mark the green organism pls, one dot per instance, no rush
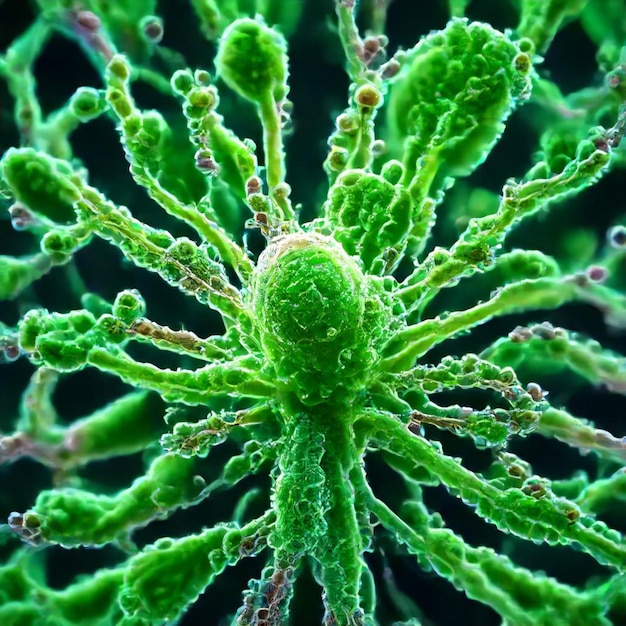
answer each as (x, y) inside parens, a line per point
(331, 354)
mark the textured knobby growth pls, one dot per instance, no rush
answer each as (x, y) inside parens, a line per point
(330, 351)
(321, 323)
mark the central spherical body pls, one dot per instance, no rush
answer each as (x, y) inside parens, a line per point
(321, 321)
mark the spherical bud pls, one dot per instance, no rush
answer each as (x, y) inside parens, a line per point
(58, 244)
(181, 82)
(21, 217)
(259, 203)
(9, 349)
(372, 45)
(597, 273)
(348, 122)
(112, 327)
(368, 96)
(118, 68)
(261, 219)
(152, 28)
(205, 162)
(536, 487)
(202, 78)
(201, 98)
(282, 191)
(87, 103)
(132, 124)
(516, 471)
(253, 185)
(526, 45)
(390, 69)
(154, 125)
(379, 147)
(392, 171)
(337, 159)
(522, 63)
(371, 48)
(119, 102)
(129, 305)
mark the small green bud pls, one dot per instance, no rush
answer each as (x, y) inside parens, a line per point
(527, 46)
(348, 122)
(340, 140)
(153, 125)
(129, 305)
(87, 103)
(181, 82)
(251, 60)
(132, 124)
(282, 191)
(112, 327)
(58, 245)
(259, 203)
(337, 159)
(119, 102)
(368, 96)
(118, 68)
(201, 98)
(392, 171)
(202, 78)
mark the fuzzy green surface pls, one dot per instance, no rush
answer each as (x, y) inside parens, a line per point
(251, 60)
(319, 320)
(459, 86)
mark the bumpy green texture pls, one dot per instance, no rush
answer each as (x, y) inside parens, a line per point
(371, 215)
(33, 180)
(322, 326)
(454, 94)
(344, 395)
(252, 61)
